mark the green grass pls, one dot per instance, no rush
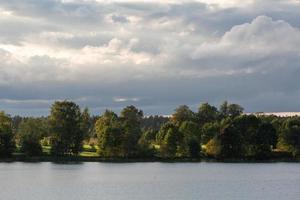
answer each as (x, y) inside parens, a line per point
(88, 147)
(88, 151)
(88, 154)
(46, 149)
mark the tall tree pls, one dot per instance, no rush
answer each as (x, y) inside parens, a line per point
(290, 135)
(7, 143)
(131, 118)
(223, 110)
(264, 139)
(207, 113)
(230, 110)
(31, 131)
(86, 123)
(181, 114)
(236, 138)
(67, 133)
(109, 133)
(209, 131)
(163, 131)
(235, 110)
(170, 140)
(190, 146)
(170, 143)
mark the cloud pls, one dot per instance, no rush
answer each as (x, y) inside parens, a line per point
(156, 55)
(125, 99)
(259, 46)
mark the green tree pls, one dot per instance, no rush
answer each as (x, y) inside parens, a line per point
(153, 122)
(65, 122)
(169, 144)
(109, 133)
(163, 131)
(264, 139)
(146, 143)
(7, 143)
(86, 123)
(119, 136)
(209, 131)
(223, 110)
(247, 136)
(213, 147)
(150, 135)
(230, 110)
(170, 140)
(31, 131)
(231, 142)
(181, 114)
(236, 138)
(290, 135)
(235, 110)
(194, 148)
(131, 118)
(190, 145)
(207, 113)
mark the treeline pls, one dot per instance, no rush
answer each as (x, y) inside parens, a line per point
(222, 133)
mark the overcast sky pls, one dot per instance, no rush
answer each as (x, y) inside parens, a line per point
(152, 54)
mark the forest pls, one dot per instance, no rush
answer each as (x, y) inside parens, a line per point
(224, 133)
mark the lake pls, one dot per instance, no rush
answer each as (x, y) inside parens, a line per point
(148, 181)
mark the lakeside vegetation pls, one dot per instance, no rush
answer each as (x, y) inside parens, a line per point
(223, 133)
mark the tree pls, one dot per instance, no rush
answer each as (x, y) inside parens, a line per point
(86, 123)
(207, 113)
(149, 135)
(65, 123)
(16, 120)
(236, 138)
(119, 136)
(265, 138)
(235, 110)
(213, 147)
(247, 136)
(131, 118)
(194, 148)
(290, 135)
(224, 110)
(231, 142)
(163, 131)
(153, 122)
(209, 131)
(170, 139)
(169, 144)
(230, 110)
(31, 131)
(190, 145)
(190, 130)
(7, 144)
(109, 133)
(181, 114)
(146, 143)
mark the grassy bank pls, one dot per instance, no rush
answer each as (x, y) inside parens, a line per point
(89, 154)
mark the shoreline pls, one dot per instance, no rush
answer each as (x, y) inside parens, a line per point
(80, 159)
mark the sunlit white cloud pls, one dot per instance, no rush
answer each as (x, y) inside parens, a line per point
(125, 99)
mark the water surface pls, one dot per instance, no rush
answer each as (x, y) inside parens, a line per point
(148, 181)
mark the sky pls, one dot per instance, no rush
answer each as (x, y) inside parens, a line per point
(153, 54)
